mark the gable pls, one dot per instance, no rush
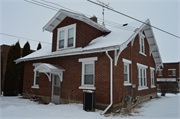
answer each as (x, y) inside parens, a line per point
(84, 33)
(62, 14)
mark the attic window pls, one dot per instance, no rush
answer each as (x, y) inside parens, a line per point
(66, 37)
(141, 44)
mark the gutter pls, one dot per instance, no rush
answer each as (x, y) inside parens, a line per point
(111, 83)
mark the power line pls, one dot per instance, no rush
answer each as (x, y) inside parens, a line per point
(119, 26)
(23, 38)
(100, 19)
(134, 19)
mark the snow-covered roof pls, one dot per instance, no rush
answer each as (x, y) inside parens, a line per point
(62, 14)
(118, 38)
(48, 68)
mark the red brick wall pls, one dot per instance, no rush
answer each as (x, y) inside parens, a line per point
(84, 32)
(71, 77)
(119, 88)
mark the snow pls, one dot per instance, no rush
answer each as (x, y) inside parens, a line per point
(17, 108)
(116, 38)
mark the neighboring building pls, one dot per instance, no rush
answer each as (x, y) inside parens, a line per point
(87, 56)
(4, 52)
(169, 74)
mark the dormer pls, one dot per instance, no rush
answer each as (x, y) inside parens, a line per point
(72, 30)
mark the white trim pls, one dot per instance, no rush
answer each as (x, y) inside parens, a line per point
(87, 87)
(142, 53)
(151, 68)
(152, 76)
(35, 86)
(171, 69)
(127, 84)
(166, 79)
(65, 29)
(88, 59)
(142, 65)
(85, 61)
(153, 86)
(141, 45)
(126, 61)
(125, 64)
(143, 88)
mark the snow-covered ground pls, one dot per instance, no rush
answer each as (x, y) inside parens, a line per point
(17, 108)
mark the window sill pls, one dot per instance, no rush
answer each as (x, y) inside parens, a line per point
(153, 86)
(142, 53)
(127, 84)
(160, 75)
(87, 87)
(36, 86)
(143, 88)
(65, 48)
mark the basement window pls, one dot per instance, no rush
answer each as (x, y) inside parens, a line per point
(66, 37)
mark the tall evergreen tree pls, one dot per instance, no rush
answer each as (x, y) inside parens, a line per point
(26, 50)
(39, 46)
(10, 74)
(17, 68)
(1, 72)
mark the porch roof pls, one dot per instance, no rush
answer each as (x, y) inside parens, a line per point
(49, 68)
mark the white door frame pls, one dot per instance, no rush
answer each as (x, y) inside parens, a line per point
(52, 93)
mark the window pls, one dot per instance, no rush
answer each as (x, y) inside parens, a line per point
(126, 72)
(172, 72)
(152, 77)
(141, 44)
(37, 78)
(66, 37)
(88, 73)
(142, 77)
(160, 72)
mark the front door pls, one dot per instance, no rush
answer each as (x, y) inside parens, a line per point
(56, 89)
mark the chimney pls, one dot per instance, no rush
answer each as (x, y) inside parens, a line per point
(94, 18)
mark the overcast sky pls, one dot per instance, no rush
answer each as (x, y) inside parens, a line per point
(20, 18)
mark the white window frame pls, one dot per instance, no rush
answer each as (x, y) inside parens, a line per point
(127, 62)
(143, 68)
(34, 83)
(152, 77)
(84, 61)
(172, 73)
(141, 51)
(160, 70)
(65, 29)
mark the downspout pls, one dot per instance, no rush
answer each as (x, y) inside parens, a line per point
(111, 83)
(131, 75)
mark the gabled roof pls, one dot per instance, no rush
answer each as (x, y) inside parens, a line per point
(62, 14)
(117, 39)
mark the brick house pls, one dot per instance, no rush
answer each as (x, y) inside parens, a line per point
(87, 56)
(169, 74)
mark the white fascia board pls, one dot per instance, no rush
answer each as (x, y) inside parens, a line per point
(126, 61)
(152, 68)
(71, 53)
(142, 66)
(88, 59)
(156, 43)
